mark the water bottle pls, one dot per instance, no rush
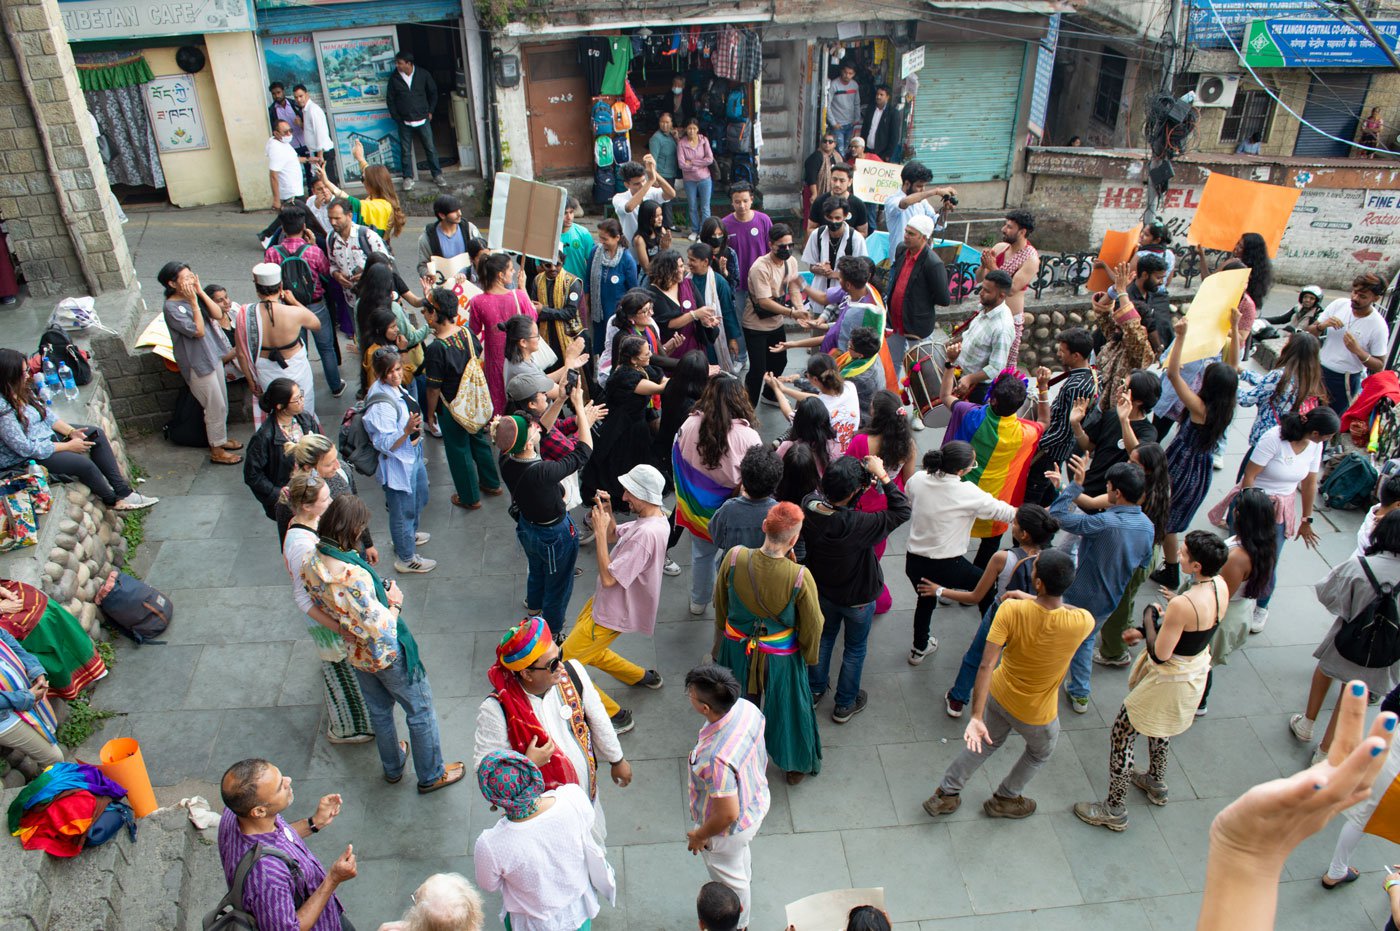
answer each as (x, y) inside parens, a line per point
(50, 373)
(65, 378)
(41, 388)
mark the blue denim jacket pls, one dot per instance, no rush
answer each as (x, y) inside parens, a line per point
(33, 440)
(10, 702)
(1114, 543)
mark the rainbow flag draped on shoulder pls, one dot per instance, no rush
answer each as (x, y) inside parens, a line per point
(1004, 447)
(697, 495)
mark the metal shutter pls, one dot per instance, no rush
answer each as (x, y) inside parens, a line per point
(1334, 106)
(965, 113)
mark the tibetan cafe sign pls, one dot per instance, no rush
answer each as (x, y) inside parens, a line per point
(1331, 43)
(90, 20)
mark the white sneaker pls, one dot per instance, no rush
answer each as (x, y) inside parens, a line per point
(136, 502)
(408, 184)
(1217, 463)
(672, 568)
(416, 564)
(1301, 727)
(697, 609)
(916, 424)
(917, 656)
(1261, 617)
(585, 530)
(421, 537)
(1318, 756)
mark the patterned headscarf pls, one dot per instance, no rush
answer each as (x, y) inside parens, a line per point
(510, 782)
(524, 644)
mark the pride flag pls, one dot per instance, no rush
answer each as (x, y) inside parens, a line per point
(873, 315)
(1004, 447)
(697, 495)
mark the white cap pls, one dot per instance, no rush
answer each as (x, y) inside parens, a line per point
(267, 274)
(923, 224)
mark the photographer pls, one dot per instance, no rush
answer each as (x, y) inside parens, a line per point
(914, 199)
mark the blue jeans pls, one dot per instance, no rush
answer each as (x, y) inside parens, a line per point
(857, 620)
(386, 688)
(1340, 387)
(424, 134)
(325, 343)
(1273, 580)
(843, 136)
(1082, 663)
(550, 553)
(972, 659)
(702, 570)
(697, 196)
(405, 507)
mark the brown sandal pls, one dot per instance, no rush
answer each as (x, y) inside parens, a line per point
(457, 500)
(231, 444)
(221, 456)
(403, 752)
(493, 492)
(452, 773)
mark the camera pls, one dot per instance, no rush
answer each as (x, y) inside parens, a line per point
(867, 478)
(950, 199)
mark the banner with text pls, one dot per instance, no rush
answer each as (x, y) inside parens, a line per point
(874, 181)
(1297, 43)
(89, 20)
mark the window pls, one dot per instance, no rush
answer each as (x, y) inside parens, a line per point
(1252, 112)
(1108, 95)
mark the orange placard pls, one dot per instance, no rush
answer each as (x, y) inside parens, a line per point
(121, 762)
(1385, 819)
(1118, 246)
(1233, 206)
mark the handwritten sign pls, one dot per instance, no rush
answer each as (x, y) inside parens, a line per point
(176, 120)
(874, 181)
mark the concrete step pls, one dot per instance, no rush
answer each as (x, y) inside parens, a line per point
(772, 69)
(773, 95)
(776, 122)
(776, 147)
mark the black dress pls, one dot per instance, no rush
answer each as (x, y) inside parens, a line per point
(625, 437)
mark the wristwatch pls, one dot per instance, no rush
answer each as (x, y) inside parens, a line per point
(311, 824)
(1307, 520)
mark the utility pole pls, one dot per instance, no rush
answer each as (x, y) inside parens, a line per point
(1374, 33)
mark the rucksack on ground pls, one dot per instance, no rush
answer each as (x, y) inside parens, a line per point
(602, 117)
(1372, 638)
(61, 349)
(134, 608)
(1351, 483)
(231, 914)
(354, 442)
(297, 276)
(186, 424)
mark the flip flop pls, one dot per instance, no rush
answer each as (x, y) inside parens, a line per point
(1352, 876)
(403, 751)
(452, 773)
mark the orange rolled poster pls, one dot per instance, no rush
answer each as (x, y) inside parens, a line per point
(1233, 206)
(1385, 820)
(1118, 246)
(121, 762)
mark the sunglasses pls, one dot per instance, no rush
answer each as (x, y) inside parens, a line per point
(829, 141)
(551, 667)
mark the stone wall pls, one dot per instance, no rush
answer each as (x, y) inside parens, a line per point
(54, 198)
(143, 389)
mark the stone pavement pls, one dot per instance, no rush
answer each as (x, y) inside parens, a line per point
(238, 678)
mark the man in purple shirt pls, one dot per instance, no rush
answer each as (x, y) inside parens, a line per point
(255, 794)
(748, 235)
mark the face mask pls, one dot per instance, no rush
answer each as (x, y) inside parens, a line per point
(835, 225)
(717, 242)
(678, 91)
(784, 253)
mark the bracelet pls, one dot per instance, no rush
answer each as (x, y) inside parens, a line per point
(1389, 883)
(311, 823)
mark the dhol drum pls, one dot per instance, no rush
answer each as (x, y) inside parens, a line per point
(924, 363)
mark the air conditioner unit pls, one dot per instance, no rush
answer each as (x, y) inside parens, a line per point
(1217, 90)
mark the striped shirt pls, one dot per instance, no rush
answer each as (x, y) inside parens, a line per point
(730, 760)
(1057, 443)
(269, 893)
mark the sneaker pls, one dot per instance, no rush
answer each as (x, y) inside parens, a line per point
(651, 679)
(339, 391)
(952, 706)
(916, 424)
(136, 502)
(672, 568)
(842, 715)
(433, 430)
(1318, 756)
(408, 184)
(1125, 660)
(1201, 711)
(1168, 575)
(440, 181)
(941, 803)
(1078, 704)
(1301, 727)
(421, 537)
(1261, 617)
(1155, 791)
(817, 697)
(416, 564)
(1015, 808)
(585, 530)
(622, 721)
(1217, 463)
(917, 656)
(698, 609)
(1100, 814)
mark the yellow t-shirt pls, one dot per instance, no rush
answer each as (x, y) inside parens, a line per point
(1036, 649)
(375, 212)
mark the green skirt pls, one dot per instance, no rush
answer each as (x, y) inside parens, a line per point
(790, 728)
(65, 651)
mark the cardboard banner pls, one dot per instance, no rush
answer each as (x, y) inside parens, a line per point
(444, 270)
(1233, 206)
(874, 181)
(827, 911)
(1209, 314)
(1118, 246)
(527, 217)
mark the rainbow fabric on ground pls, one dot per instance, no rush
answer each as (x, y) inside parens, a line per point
(1004, 447)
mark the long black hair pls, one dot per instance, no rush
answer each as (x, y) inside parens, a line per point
(375, 290)
(889, 423)
(1254, 252)
(800, 474)
(1157, 488)
(686, 383)
(15, 386)
(1217, 393)
(811, 426)
(1256, 527)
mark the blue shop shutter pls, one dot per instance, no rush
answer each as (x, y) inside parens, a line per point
(1335, 106)
(965, 112)
(278, 21)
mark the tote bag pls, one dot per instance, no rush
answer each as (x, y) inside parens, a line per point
(471, 407)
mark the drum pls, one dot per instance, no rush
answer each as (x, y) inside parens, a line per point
(924, 363)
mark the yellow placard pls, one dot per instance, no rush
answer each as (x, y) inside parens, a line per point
(1209, 314)
(874, 181)
(1233, 206)
(1118, 246)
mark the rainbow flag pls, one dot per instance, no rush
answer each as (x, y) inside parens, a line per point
(697, 495)
(1004, 447)
(874, 316)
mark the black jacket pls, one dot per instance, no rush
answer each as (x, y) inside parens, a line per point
(266, 467)
(886, 134)
(927, 290)
(411, 103)
(272, 113)
(841, 545)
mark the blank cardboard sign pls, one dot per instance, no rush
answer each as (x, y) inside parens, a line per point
(527, 217)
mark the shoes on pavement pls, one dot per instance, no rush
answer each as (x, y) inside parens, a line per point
(416, 564)
(1097, 813)
(1168, 575)
(421, 537)
(842, 715)
(1078, 704)
(817, 697)
(339, 391)
(794, 778)
(1015, 808)
(439, 180)
(916, 424)
(1201, 711)
(672, 568)
(1155, 791)
(1125, 660)
(622, 721)
(917, 656)
(452, 774)
(1301, 727)
(1352, 876)
(1318, 756)
(136, 502)
(408, 184)
(1217, 463)
(651, 679)
(952, 706)
(1261, 617)
(941, 803)
(698, 609)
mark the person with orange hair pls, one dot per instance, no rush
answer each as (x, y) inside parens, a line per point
(768, 627)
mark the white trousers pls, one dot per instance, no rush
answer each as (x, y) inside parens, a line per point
(1346, 845)
(729, 862)
(211, 391)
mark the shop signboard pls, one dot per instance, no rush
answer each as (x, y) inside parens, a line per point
(292, 60)
(1044, 71)
(90, 20)
(176, 120)
(356, 66)
(376, 132)
(1209, 21)
(911, 62)
(1330, 43)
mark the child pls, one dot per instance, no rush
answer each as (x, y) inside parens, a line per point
(1388, 490)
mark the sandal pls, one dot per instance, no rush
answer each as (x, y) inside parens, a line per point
(403, 752)
(493, 492)
(452, 773)
(457, 500)
(1352, 876)
(221, 456)
(231, 444)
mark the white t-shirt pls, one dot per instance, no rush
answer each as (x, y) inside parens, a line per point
(315, 129)
(629, 220)
(298, 546)
(1284, 470)
(282, 161)
(845, 412)
(1370, 331)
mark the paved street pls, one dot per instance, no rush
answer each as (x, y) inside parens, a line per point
(238, 677)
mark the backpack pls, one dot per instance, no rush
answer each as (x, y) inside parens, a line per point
(621, 117)
(741, 169)
(604, 185)
(738, 136)
(61, 349)
(603, 155)
(734, 105)
(602, 117)
(186, 424)
(230, 914)
(297, 276)
(115, 816)
(354, 442)
(1351, 483)
(134, 608)
(622, 149)
(1372, 638)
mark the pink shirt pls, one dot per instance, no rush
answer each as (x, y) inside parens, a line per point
(741, 437)
(637, 558)
(695, 158)
(313, 255)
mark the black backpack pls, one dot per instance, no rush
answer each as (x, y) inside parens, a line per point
(230, 913)
(61, 349)
(186, 424)
(354, 443)
(1372, 638)
(134, 608)
(297, 276)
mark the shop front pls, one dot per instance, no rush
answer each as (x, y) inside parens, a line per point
(344, 54)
